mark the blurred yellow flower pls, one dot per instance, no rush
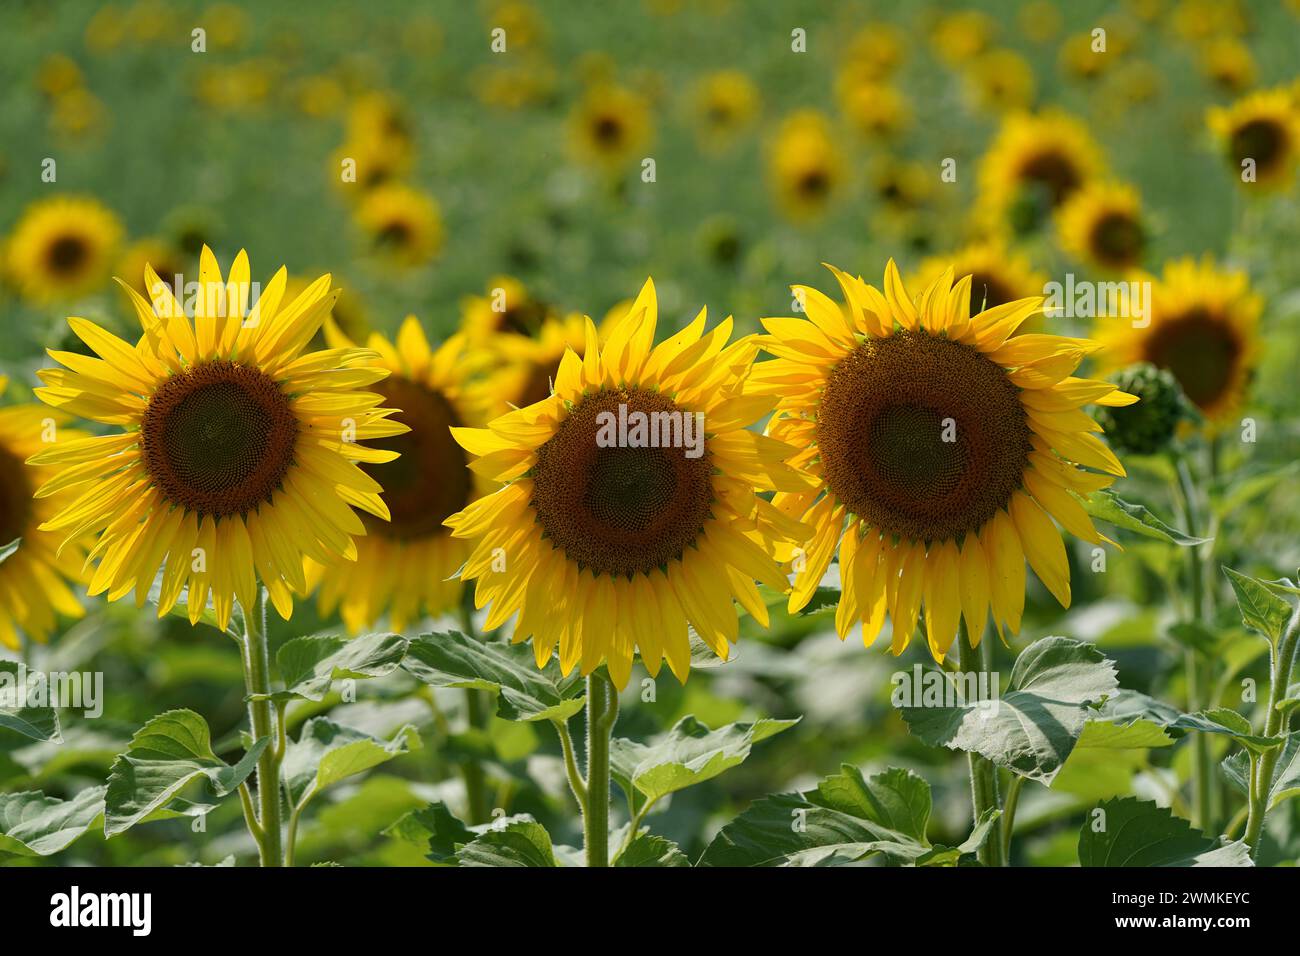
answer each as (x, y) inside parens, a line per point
(406, 566)
(873, 54)
(402, 224)
(507, 308)
(1228, 64)
(166, 260)
(34, 579)
(1035, 163)
(609, 125)
(998, 275)
(58, 74)
(1263, 129)
(1203, 328)
(878, 110)
(1101, 224)
(960, 36)
(1002, 80)
(1040, 20)
(806, 165)
(62, 247)
(724, 104)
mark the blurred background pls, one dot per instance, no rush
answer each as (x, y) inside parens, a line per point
(724, 148)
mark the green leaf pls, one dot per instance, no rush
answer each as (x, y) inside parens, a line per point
(309, 664)
(1286, 773)
(165, 755)
(1132, 832)
(648, 850)
(687, 754)
(1030, 729)
(1109, 507)
(846, 819)
(8, 550)
(32, 824)
(38, 723)
(1139, 734)
(326, 752)
(1229, 723)
(1261, 608)
(522, 842)
(451, 659)
(433, 827)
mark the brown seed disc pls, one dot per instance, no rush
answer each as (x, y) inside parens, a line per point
(15, 497)
(218, 438)
(430, 481)
(1260, 140)
(922, 437)
(1054, 172)
(67, 255)
(1199, 350)
(619, 510)
(1117, 240)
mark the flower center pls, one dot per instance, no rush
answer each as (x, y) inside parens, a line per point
(1117, 239)
(218, 438)
(1200, 350)
(923, 437)
(608, 131)
(67, 255)
(430, 480)
(987, 292)
(15, 497)
(1054, 174)
(612, 506)
(1260, 140)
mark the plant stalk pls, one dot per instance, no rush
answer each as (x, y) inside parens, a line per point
(1283, 660)
(1197, 681)
(257, 680)
(983, 775)
(602, 712)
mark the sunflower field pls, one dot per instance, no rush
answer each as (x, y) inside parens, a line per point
(657, 434)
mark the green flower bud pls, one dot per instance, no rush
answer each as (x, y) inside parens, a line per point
(1147, 426)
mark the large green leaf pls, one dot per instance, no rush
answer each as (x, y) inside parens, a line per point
(1228, 723)
(326, 752)
(452, 659)
(521, 842)
(1032, 727)
(1262, 609)
(169, 752)
(32, 824)
(1286, 772)
(308, 665)
(685, 755)
(434, 828)
(18, 714)
(1132, 832)
(845, 820)
(648, 850)
(1138, 734)
(1109, 507)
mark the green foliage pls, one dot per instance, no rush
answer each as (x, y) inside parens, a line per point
(1131, 832)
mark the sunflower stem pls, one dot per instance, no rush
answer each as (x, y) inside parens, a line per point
(1008, 820)
(983, 775)
(602, 713)
(1282, 661)
(476, 798)
(1196, 678)
(257, 680)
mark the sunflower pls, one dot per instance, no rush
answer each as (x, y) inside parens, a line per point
(998, 275)
(806, 165)
(377, 161)
(942, 446)
(606, 547)
(877, 110)
(1203, 329)
(1002, 80)
(1228, 64)
(34, 578)
(168, 262)
(961, 36)
(609, 125)
(62, 248)
(507, 308)
(238, 455)
(874, 54)
(407, 565)
(1263, 127)
(527, 364)
(1036, 162)
(1102, 225)
(403, 224)
(725, 104)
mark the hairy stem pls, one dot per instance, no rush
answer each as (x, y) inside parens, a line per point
(602, 712)
(257, 680)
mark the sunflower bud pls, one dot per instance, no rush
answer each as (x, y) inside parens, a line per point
(1148, 426)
